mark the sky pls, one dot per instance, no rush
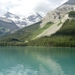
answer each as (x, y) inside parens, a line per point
(24, 7)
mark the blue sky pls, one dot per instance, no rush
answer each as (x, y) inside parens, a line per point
(24, 7)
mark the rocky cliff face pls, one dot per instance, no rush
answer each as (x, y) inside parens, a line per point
(59, 13)
(7, 26)
(70, 2)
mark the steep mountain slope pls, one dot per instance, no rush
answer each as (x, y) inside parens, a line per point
(20, 37)
(58, 17)
(64, 37)
(57, 29)
(70, 2)
(57, 14)
(7, 26)
(54, 28)
(22, 21)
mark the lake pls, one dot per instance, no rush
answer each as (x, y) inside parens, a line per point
(37, 61)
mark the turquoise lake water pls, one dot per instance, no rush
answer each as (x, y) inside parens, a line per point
(37, 61)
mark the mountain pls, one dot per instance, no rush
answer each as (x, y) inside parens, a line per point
(57, 17)
(21, 36)
(57, 14)
(57, 28)
(70, 2)
(7, 26)
(64, 37)
(22, 21)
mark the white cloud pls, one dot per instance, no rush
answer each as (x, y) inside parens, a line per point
(23, 7)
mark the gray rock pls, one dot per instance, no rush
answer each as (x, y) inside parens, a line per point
(7, 26)
(59, 13)
(70, 2)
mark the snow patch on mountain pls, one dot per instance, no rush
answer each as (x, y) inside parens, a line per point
(5, 20)
(22, 21)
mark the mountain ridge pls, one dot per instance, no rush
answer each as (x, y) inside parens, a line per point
(22, 21)
(70, 2)
(58, 13)
(57, 29)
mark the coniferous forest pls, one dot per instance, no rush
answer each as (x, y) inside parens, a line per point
(65, 37)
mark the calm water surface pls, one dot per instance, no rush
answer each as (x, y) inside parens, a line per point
(37, 61)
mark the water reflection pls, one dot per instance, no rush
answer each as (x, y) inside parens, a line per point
(48, 66)
(37, 61)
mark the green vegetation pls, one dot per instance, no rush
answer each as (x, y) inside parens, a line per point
(65, 37)
(59, 23)
(20, 37)
(40, 30)
(72, 14)
(23, 36)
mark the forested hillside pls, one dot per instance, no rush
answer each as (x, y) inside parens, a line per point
(23, 36)
(20, 37)
(65, 37)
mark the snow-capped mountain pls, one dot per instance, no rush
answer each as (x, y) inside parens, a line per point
(22, 21)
